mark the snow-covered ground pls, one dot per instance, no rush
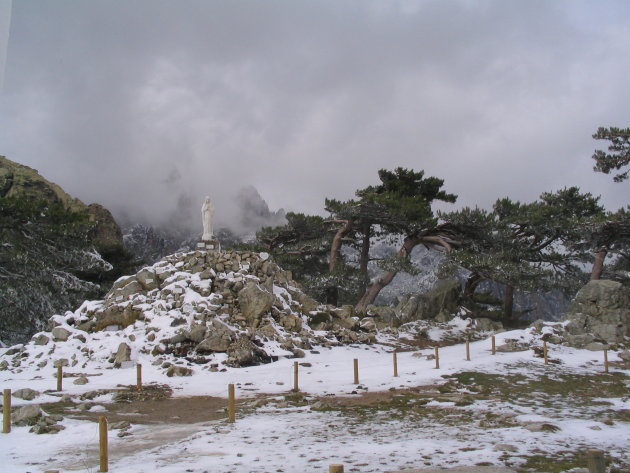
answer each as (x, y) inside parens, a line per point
(277, 437)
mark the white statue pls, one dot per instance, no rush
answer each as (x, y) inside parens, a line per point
(207, 211)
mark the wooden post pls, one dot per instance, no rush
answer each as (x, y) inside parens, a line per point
(545, 352)
(596, 463)
(231, 404)
(356, 371)
(59, 378)
(437, 358)
(139, 376)
(335, 469)
(395, 364)
(605, 361)
(6, 411)
(467, 350)
(102, 434)
(494, 346)
(296, 387)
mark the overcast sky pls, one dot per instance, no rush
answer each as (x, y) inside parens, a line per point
(145, 105)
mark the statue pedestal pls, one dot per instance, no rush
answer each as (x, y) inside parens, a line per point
(209, 245)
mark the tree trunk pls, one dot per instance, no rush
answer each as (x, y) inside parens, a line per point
(508, 302)
(364, 257)
(373, 291)
(471, 284)
(598, 265)
(335, 246)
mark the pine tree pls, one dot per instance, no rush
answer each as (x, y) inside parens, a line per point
(619, 155)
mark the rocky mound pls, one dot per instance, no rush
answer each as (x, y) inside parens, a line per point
(202, 308)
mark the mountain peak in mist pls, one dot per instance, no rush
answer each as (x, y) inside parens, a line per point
(254, 211)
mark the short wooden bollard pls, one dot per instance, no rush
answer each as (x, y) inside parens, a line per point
(231, 404)
(59, 378)
(296, 386)
(102, 445)
(356, 371)
(437, 358)
(605, 361)
(139, 376)
(596, 463)
(395, 364)
(335, 469)
(467, 350)
(545, 352)
(6, 411)
(494, 345)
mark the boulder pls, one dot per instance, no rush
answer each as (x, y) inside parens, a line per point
(600, 312)
(60, 334)
(218, 340)
(27, 415)
(444, 297)
(27, 394)
(178, 371)
(385, 314)
(244, 352)
(253, 302)
(196, 333)
(122, 354)
(41, 339)
(147, 279)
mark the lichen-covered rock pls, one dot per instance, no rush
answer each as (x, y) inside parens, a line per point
(600, 311)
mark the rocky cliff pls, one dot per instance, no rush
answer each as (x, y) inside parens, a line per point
(55, 250)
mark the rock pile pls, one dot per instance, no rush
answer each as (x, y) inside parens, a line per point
(202, 308)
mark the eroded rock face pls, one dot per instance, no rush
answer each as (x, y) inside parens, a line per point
(600, 311)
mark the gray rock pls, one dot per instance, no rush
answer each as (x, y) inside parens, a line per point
(41, 339)
(81, 380)
(625, 355)
(196, 333)
(147, 279)
(512, 346)
(253, 302)
(178, 371)
(383, 313)
(443, 298)
(122, 354)
(61, 362)
(368, 324)
(595, 346)
(60, 334)
(600, 309)
(26, 393)
(121, 282)
(541, 427)
(505, 447)
(27, 415)
(484, 324)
